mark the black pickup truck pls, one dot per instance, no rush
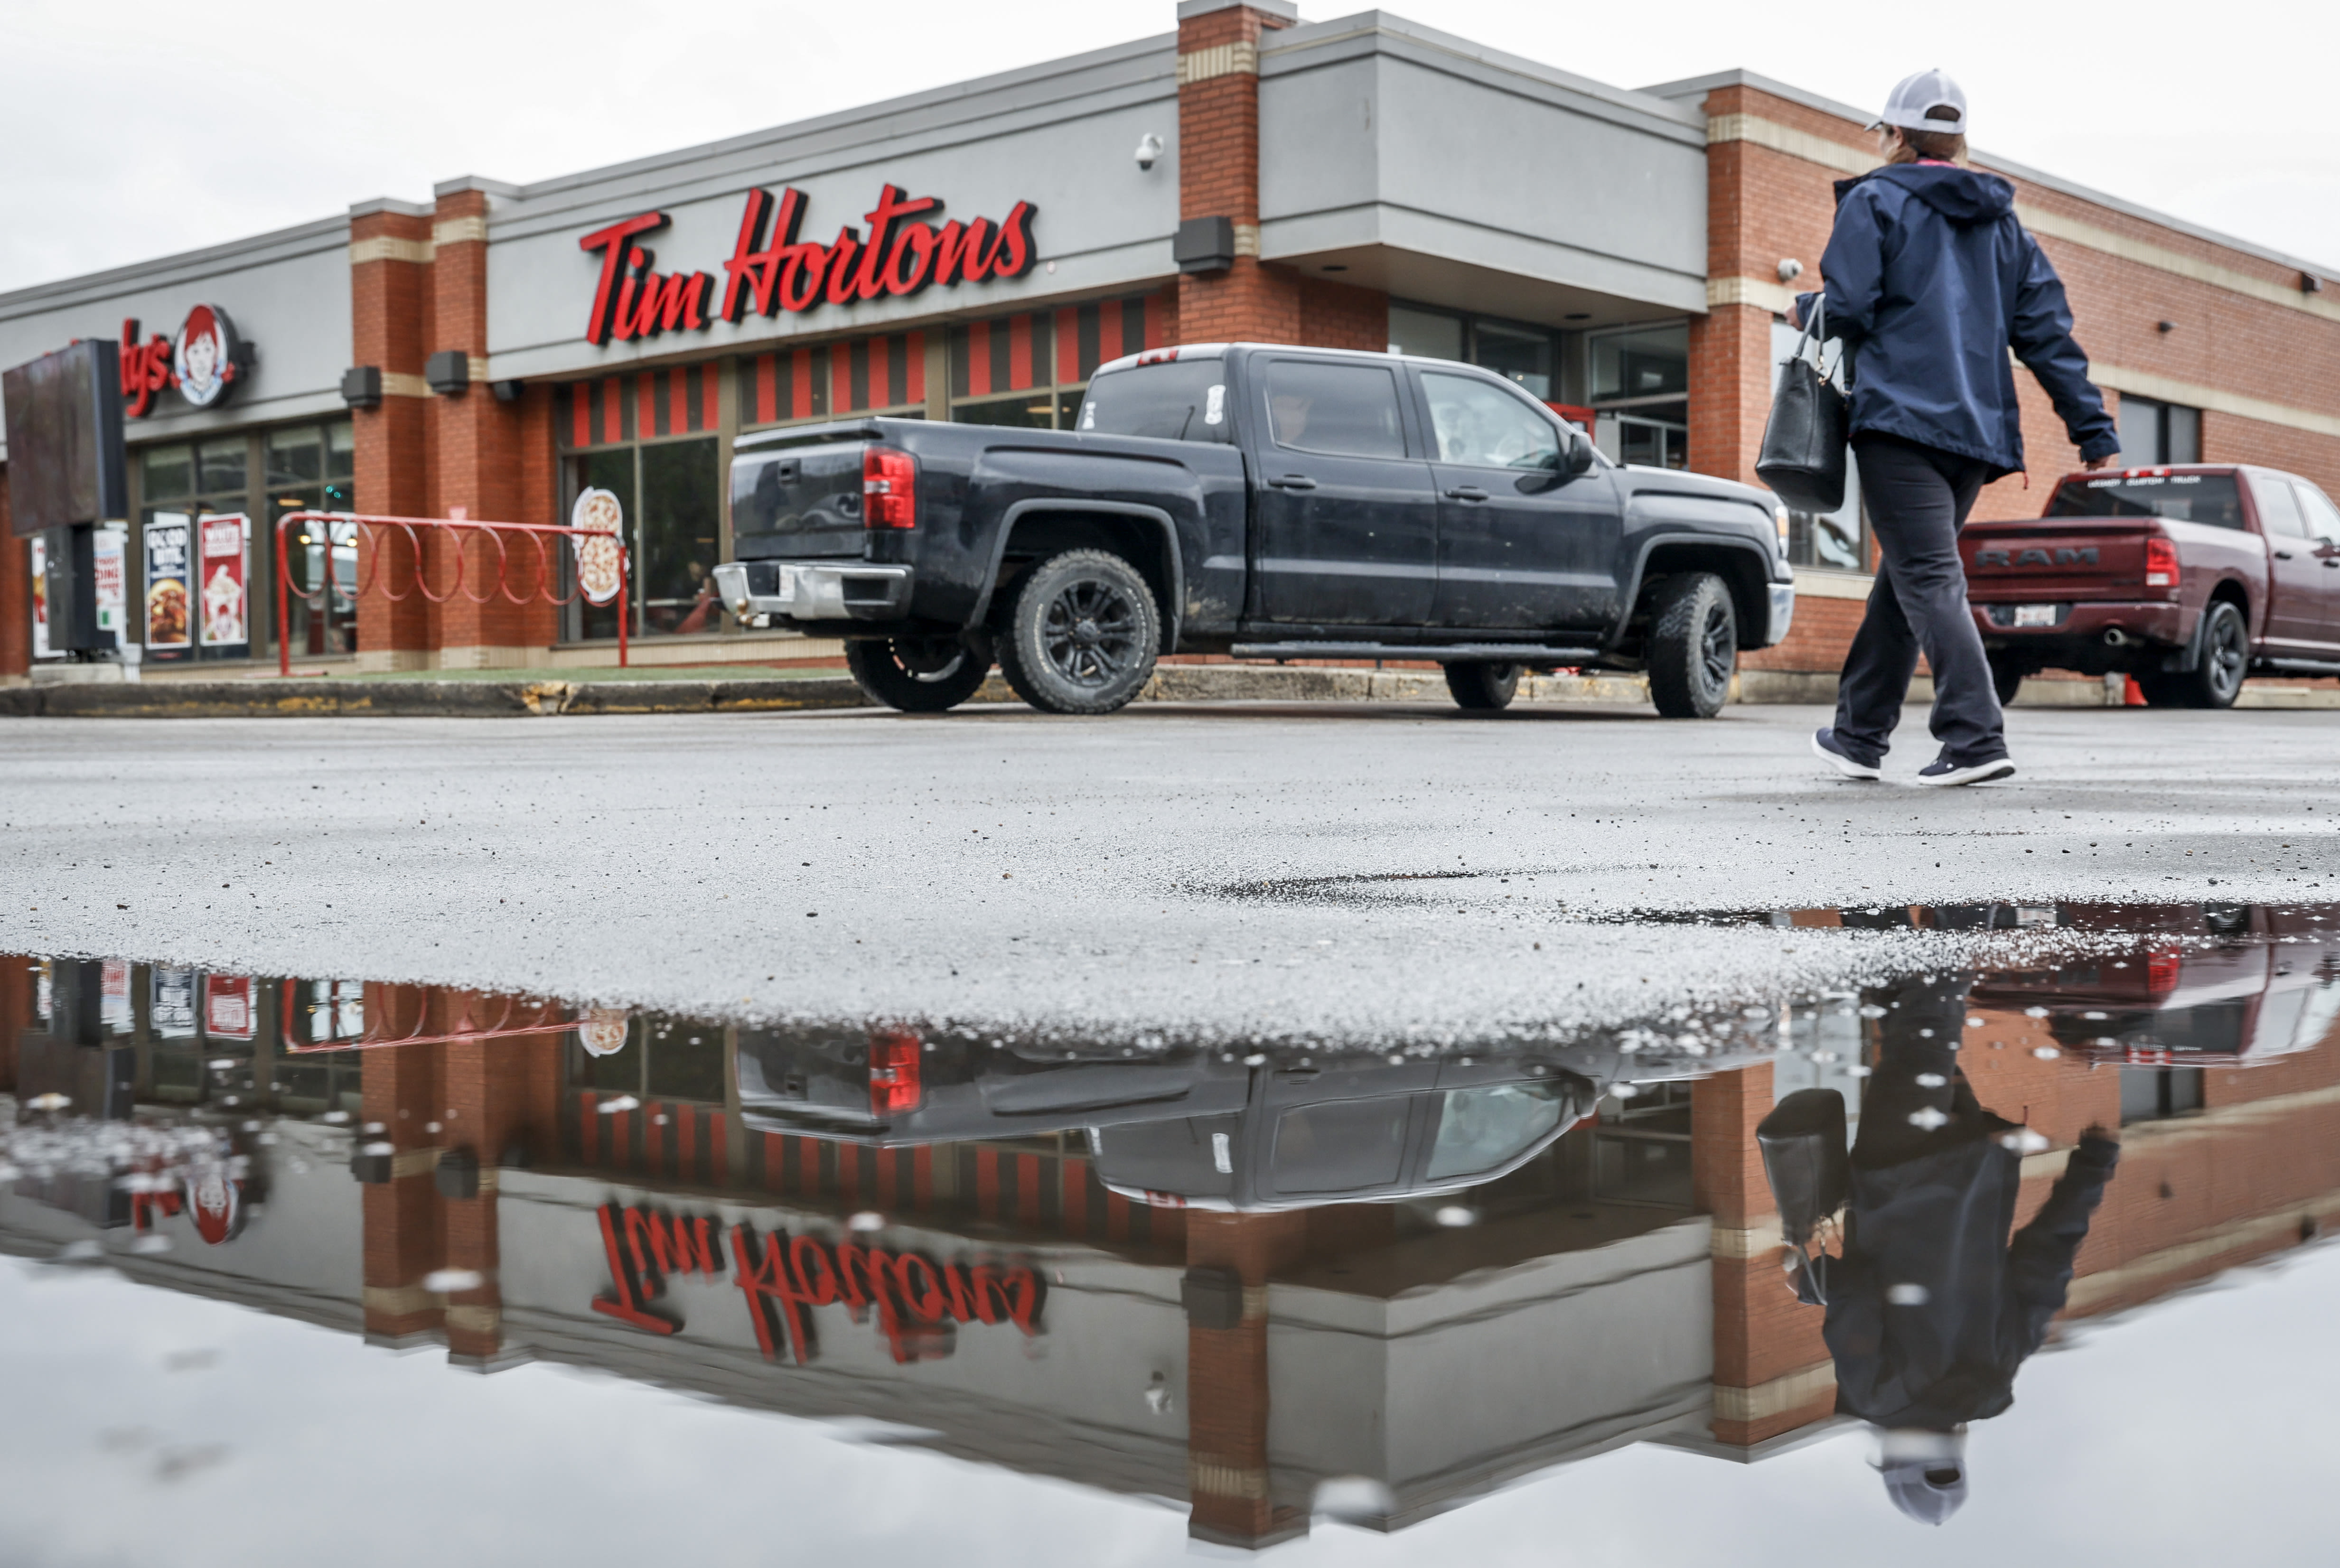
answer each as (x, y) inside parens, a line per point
(1264, 502)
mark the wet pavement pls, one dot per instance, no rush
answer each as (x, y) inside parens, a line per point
(738, 1283)
(1348, 873)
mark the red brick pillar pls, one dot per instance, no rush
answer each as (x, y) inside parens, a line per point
(1771, 1368)
(1218, 174)
(401, 1094)
(476, 453)
(390, 325)
(487, 1089)
(1226, 1382)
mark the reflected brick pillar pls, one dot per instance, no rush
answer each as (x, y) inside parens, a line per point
(1226, 1379)
(390, 327)
(401, 1095)
(1218, 173)
(1771, 1369)
(17, 987)
(494, 1091)
(477, 452)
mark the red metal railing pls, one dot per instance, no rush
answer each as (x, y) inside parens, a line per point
(374, 533)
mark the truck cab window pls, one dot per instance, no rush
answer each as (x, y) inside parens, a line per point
(2278, 508)
(1484, 426)
(2208, 498)
(1337, 410)
(2322, 517)
(1183, 399)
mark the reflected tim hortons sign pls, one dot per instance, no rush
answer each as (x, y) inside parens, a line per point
(772, 271)
(919, 1303)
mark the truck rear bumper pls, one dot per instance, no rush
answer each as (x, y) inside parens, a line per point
(2090, 634)
(815, 590)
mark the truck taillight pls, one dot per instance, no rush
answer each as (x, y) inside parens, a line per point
(893, 1072)
(889, 488)
(2160, 563)
(2161, 967)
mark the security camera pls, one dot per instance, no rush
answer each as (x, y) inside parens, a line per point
(1791, 269)
(1149, 148)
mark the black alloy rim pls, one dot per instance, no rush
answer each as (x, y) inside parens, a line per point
(1089, 633)
(2227, 654)
(1717, 648)
(928, 658)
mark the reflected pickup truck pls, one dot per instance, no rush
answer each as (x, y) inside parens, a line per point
(2188, 578)
(1263, 501)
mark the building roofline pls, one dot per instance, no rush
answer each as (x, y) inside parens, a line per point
(1698, 86)
(335, 230)
(373, 204)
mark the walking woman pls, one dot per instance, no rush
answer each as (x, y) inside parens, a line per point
(1929, 280)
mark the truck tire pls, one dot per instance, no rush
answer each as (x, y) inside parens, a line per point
(1482, 687)
(2217, 680)
(1693, 646)
(1082, 633)
(2006, 679)
(919, 674)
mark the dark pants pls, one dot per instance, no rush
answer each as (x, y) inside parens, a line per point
(1917, 1038)
(1919, 498)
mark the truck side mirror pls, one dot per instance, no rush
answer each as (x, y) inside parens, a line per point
(1577, 458)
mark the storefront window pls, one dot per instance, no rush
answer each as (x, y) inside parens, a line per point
(312, 467)
(672, 496)
(1529, 356)
(1641, 385)
(1836, 540)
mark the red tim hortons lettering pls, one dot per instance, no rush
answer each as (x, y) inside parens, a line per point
(643, 1249)
(614, 242)
(666, 302)
(917, 1303)
(958, 250)
(894, 205)
(840, 265)
(754, 268)
(801, 271)
(916, 246)
(1017, 253)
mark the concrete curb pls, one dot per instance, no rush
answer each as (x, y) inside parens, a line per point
(519, 698)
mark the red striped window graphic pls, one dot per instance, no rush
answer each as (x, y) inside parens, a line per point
(681, 400)
(885, 371)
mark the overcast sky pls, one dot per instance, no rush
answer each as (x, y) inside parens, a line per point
(137, 128)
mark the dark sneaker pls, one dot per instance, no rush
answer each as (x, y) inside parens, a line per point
(1828, 750)
(1941, 772)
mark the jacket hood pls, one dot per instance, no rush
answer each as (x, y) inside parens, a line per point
(1961, 196)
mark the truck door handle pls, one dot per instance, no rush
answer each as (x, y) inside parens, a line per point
(1294, 482)
(2332, 561)
(2283, 555)
(1466, 493)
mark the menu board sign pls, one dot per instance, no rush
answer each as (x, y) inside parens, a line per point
(113, 995)
(173, 1016)
(109, 579)
(227, 1008)
(40, 597)
(224, 601)
(170, 633)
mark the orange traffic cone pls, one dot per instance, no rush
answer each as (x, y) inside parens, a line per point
(2133, 695)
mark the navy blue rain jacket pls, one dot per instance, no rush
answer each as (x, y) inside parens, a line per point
(1930, 278)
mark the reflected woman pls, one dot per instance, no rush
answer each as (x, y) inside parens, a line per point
(1931, 1307)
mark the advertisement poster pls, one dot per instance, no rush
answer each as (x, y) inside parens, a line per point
(113, 995)
(599, 550)
(110, 576)
(173, 1018)
(225, 601)
(169, 634)
(227, 1008)
(40, 598)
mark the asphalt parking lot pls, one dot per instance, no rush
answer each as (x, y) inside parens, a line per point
(1365, 872)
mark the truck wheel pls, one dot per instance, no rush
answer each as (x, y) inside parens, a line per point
(2218, 680)
(919, 674)
(1693, 646)
(1482, 687)
(2006, 679)
(1082, 634)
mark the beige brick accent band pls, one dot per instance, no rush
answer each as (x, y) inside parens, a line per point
(387, 248)
(458, 230)
(1246, 239)
(1792, 1392)
(402, 383)
(1761, 292)
(1237, 59)
(1210, 1477)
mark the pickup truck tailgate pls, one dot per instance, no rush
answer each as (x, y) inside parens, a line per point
(2057, 558)
(798, 501)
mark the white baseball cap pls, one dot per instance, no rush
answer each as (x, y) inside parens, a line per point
(1912, 96)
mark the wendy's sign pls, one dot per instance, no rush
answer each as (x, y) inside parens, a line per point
(919, 1303)
(203, 361)
(772, 271)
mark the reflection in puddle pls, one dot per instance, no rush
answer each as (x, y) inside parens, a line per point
(1454, 1268)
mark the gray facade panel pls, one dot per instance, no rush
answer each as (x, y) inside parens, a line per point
(288, 294)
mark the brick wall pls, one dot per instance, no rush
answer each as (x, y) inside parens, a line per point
(390, 327)
(16, 593)
(1218, 176)
(1343, 316)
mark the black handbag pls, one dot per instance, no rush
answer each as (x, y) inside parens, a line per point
(1805, 1161)
(1803, 458)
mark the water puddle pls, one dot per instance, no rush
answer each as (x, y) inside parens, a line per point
(1282, 1289)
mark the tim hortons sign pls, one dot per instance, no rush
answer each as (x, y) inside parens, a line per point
(918, 1304)
(772, 271)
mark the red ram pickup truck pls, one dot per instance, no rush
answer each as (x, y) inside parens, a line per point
(2188, 578)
